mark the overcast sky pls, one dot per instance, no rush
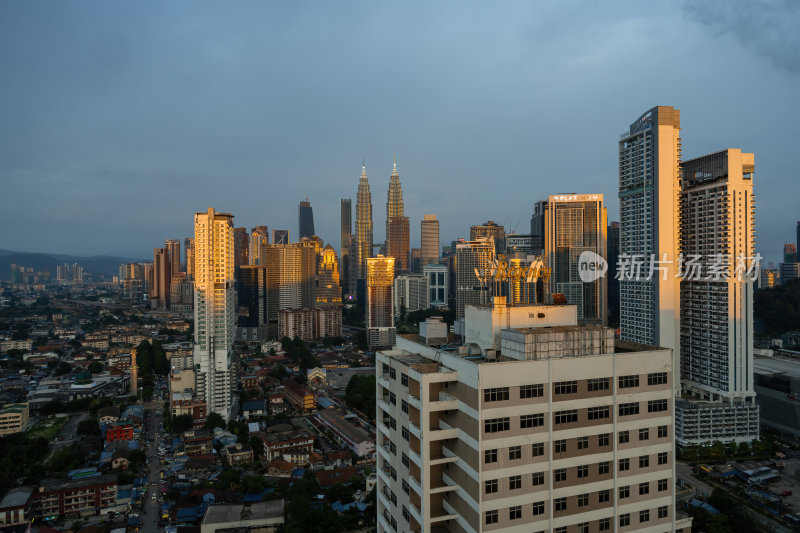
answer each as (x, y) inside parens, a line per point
(119, 120)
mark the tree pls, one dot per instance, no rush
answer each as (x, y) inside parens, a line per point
(63, 368)
(214, 420)
(258, 446)
(96, 367)
(182, 423)
(278, 371)
(252, 484)
(360, 393)
(88, 427)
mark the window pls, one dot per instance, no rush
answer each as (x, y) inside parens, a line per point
(531, 421)
(515, 482)
(626, 409)
(624, 520)
(603, 468)
(565, 387)
(404, 406)
(490, 456)
(597, 384)
(583, 527)
(644, 433)
(561, 529)
(663, 484)
(392, 373)
(490, 486)
(394, 524)
(659, 378)
(604, 496)
(657, 406)
(531, 391)
(603, 440)
(393, 448)
(514, 453)
(644, 461)
(405, 460)
(583, 471)
(406, 514)
(560, 504)
(624, 437)
(560, 474)
(385, 368)
(495, 425)
(404, 380)
(662, 458)
(538, 478)
(491, 517)
(583, 443)
(644, 488)
(495, 395)
(624, 492)
(663, 432)
(393, 473)
(604, 524)
(515, 512)
(644, 516)
(405, 433)
(626, 382)
(624, 464)
(392, 422)
(566, 417)
(392, 398)
(538, 508)
(393, 497)
(598, 413)
(406, 488)
(559, 446)
(538, 449)
(663, 512)
(583, 500)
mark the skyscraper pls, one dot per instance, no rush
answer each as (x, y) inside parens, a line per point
(173, 247)
(397, 242)
(162, 276)
(470, 256)
(305, 219)
(188, 249)
(716, 327)
(574, 224)
(379, 309)
(613, 282)
(280, 236)
(346, 231)
(259, 238)
(789, 253)
(251, 289)
(394, 200)
(363, 242)
(492, 230)
(537, 227)
(649, 159)
(294, 267)
(329, 291)
(429, 240)
(214, 312)
(241, 250)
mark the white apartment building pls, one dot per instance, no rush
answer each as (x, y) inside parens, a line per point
(437, 284)
(214, 310)
(410, 292)
(536, 424)
(717, 211)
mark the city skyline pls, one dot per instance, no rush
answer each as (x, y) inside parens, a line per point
(477, 122)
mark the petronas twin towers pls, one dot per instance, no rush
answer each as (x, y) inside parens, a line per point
(397, 228)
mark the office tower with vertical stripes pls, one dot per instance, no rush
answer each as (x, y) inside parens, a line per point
(305, 219)
(429, 241)
(363, 240)
(379, 308)
(214, 310)
(173, 247)
(345, 230)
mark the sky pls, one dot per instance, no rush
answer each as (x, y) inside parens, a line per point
(120, 120)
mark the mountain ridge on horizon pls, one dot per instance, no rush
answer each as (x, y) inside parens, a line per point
(107, 265)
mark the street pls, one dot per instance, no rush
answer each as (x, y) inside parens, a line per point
(151, 507)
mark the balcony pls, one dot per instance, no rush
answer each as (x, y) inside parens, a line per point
(444, 403)
(439, 514)
(442, 431)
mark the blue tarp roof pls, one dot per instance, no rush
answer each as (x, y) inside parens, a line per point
(134, 521)
(258, 496)
(342, 507)
(703, 505)
(133, 444)
(325, 403)
(254, 405)
(298, 472)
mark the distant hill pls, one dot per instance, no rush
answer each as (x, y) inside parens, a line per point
(98, 264)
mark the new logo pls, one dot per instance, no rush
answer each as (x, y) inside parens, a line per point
(591, 267)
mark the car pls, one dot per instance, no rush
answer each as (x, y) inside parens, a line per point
(786, 493)
(153, 497)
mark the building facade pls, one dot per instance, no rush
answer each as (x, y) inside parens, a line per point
(575, 224)
(471, 255)
(251, 316)
(345, 231)
(429, 241)
(363, 238)
(214, 310)
(438, 278)
(379, 309)
(305, 219)
(490, 230)
(571, 435)
(717, 209)
(410, 293)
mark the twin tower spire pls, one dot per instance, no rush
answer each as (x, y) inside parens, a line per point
(364, 228)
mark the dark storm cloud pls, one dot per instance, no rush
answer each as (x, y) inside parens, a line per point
(768, 27)
(119, 120)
